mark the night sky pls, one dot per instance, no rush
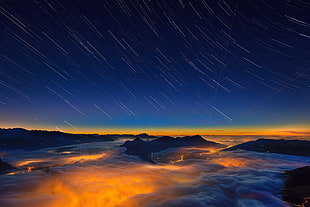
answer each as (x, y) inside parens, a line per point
(154, 63)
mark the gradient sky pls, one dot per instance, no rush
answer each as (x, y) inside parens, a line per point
(143, 64)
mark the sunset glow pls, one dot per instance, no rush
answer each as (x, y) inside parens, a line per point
(286, 130)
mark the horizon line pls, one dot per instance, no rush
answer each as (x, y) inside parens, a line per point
(179, 131)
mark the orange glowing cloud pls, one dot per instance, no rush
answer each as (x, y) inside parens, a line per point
(106, 180)
(231, 162)
(59, 161)
(98, 186)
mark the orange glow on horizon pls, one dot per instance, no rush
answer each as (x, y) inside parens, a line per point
(285, 130)
(194, 131)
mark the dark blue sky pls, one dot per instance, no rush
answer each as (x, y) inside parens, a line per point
(120, 63)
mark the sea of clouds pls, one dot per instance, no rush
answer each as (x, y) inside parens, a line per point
(102, 175)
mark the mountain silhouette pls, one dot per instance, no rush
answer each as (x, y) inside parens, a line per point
(144, 149)
(18, 138)
(5, 167)
(297, 186)
(289, 147)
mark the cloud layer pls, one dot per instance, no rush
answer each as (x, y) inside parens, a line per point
(183, 178)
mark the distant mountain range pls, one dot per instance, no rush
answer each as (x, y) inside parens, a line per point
(144, 149)
(143, 145)
(18, 138)
(281, 146)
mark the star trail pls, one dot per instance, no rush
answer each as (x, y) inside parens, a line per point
(154, 63)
